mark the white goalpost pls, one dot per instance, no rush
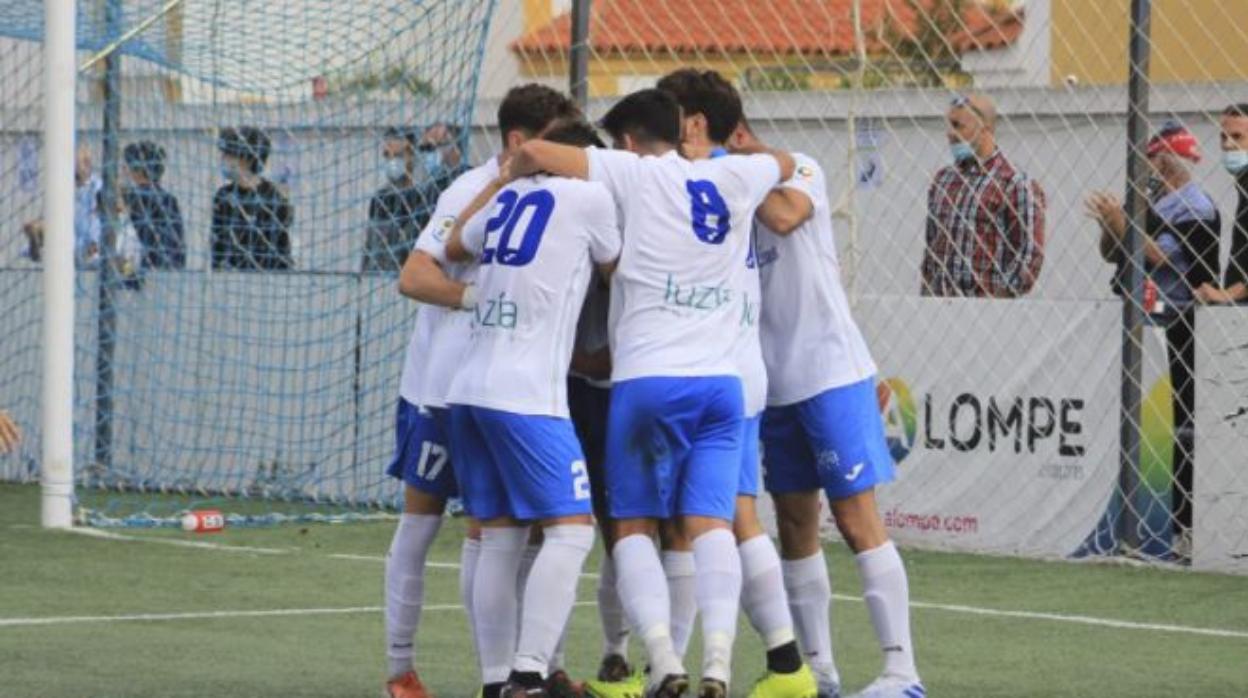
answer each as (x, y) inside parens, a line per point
(57, 477)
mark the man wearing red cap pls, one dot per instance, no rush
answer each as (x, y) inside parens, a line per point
(1180, 254)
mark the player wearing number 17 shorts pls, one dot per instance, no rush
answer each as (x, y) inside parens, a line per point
(515, 449)
(675, 420)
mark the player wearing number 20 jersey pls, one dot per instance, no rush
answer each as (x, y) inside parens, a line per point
(516, 449)
(536, 244)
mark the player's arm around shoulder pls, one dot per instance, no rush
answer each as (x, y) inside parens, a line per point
(424, 280)
(464, 243)
(557, 159)
(792, 203)
(605, 237)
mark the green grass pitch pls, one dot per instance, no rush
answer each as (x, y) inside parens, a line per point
(329, 643)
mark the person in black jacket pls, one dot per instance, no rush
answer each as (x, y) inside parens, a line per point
(1181, 245)
(154, 212)
(1234, 287)
(251, 218)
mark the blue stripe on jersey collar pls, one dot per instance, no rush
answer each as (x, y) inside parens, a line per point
(718, 151)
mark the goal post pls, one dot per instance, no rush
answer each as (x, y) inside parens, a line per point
(57, 475)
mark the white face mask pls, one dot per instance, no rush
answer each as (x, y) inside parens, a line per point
(395, 169)
(1235, 161)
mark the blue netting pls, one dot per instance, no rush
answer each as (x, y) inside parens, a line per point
(266, 365)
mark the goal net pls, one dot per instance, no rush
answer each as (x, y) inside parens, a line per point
(238, 329)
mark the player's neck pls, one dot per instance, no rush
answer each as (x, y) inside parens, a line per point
(700, 150)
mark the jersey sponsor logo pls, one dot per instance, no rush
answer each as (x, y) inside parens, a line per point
(695, 297)
(749, 311)
(499, 312)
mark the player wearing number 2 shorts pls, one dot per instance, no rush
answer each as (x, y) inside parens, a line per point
(675, 420)
(516, 451)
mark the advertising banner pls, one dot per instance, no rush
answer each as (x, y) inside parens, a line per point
(1002, 417)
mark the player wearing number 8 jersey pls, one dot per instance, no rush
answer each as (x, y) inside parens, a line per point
(517, 455)
(674, 430)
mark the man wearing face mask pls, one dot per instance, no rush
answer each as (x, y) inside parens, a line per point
(985, 218)
(416, 172)
(251, 218)
(1181, 243)
(1235, 159)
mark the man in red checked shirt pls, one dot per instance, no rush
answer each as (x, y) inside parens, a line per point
(985, 219)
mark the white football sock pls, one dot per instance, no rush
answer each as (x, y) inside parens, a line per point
(611, 611)
(494, 601)
(810, 598)
(679, 569)
(643, 592)
(405, 586)
(762, 592)
(887, 594)
(468, 554)
(718, 583)
(522, 576)
(557, 659)
(550, 594)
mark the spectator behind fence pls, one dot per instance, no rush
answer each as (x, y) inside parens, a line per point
(251, 218)
(1180, 254)
(985, 219)
(87, 222)
(1235, 159)
(402, 207)
(153, 211)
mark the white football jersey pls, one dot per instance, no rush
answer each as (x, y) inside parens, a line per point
(810, 341)
(749, 348)
(440, 334)
(677, 301)
(537, 243)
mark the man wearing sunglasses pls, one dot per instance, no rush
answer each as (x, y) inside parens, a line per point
(985, 218)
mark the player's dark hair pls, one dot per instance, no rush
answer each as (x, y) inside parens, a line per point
(146, 158)
(709, 94)
(397, 133)
(1240, 109)
(575, 132)
(531, 108)
(247, 143)
(648, 116)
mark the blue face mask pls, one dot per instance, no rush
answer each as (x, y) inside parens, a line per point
(1235, 161)
(432, 160)
(395, 169)
(961, 151)
(229, 172)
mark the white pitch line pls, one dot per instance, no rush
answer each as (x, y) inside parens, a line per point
(213, 615)
(437, 565)
(950, 608)
(1065, 618)
(202, 545)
